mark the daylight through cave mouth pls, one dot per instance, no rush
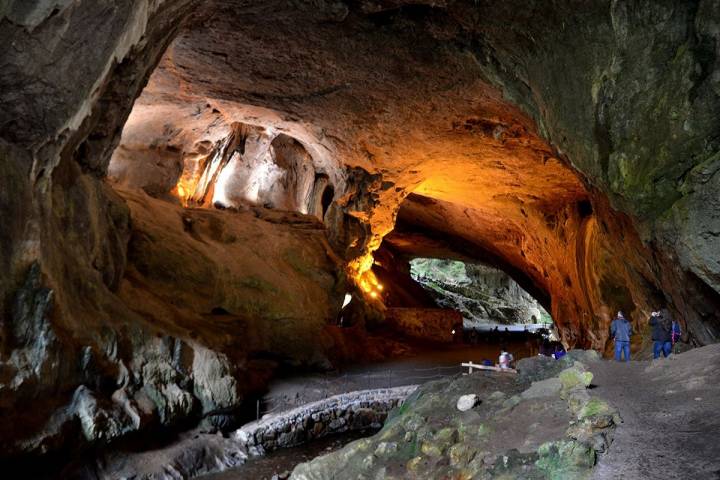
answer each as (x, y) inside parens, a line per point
(483, 295)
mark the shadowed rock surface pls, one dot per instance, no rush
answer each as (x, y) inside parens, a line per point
(662, 429)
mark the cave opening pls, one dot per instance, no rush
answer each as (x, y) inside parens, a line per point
(485, 296)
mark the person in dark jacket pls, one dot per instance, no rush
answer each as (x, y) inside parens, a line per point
(661, 334)
(621, 331)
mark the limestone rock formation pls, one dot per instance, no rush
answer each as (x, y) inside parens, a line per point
(521, 436)
(466, 402)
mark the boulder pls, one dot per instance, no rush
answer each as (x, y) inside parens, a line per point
(466, 402)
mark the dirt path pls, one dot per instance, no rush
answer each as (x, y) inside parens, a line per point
(284, 393)
(671, 417)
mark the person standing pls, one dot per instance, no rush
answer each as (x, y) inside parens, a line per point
(621, 331)
(661, 334)
(676, 333)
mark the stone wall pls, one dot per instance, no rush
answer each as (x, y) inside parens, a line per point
(427, 323)
(340, 413)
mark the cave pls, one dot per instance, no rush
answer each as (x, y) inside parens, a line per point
(200, 195)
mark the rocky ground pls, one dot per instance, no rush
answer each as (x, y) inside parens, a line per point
(580, 417)
(540, 424)
(196, 451)
(277, 465)
(646, 419)
(418, 367)
(669, 408)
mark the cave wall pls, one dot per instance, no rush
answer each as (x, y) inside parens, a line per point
(581, 263)
(60, 121)
(636, 114)
(119, 313)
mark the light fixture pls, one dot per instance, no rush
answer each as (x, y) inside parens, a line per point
(347, 300)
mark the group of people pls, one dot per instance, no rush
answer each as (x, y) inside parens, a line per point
(666, 332)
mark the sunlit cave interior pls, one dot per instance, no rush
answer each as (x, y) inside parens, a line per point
(338, 239)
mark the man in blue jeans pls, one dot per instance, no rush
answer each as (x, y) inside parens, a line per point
(661, 323)
(620, 331)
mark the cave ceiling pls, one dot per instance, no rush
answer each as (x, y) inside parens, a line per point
(395, 91)
(500, 137)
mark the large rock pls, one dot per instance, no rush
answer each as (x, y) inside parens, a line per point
(466, 402)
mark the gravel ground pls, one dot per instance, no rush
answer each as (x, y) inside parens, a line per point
(671, 423)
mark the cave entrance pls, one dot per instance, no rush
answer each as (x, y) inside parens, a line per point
(485, 296)
(454, 299)
(480, 264)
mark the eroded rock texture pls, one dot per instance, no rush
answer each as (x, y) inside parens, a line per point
(484, 427)
(574, 147)
(526, 144)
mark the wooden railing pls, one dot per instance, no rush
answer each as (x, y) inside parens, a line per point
(471, 365)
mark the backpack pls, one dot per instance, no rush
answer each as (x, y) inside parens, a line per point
(676, 333)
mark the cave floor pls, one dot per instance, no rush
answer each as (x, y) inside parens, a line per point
(670, 428)
(669, 410)
(420, 367)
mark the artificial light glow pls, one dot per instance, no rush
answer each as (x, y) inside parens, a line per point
(361, 269)
(184, 190)
(453, 332)
(347, 300)
(219, 194)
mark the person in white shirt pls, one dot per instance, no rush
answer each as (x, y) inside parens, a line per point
(506, 359)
